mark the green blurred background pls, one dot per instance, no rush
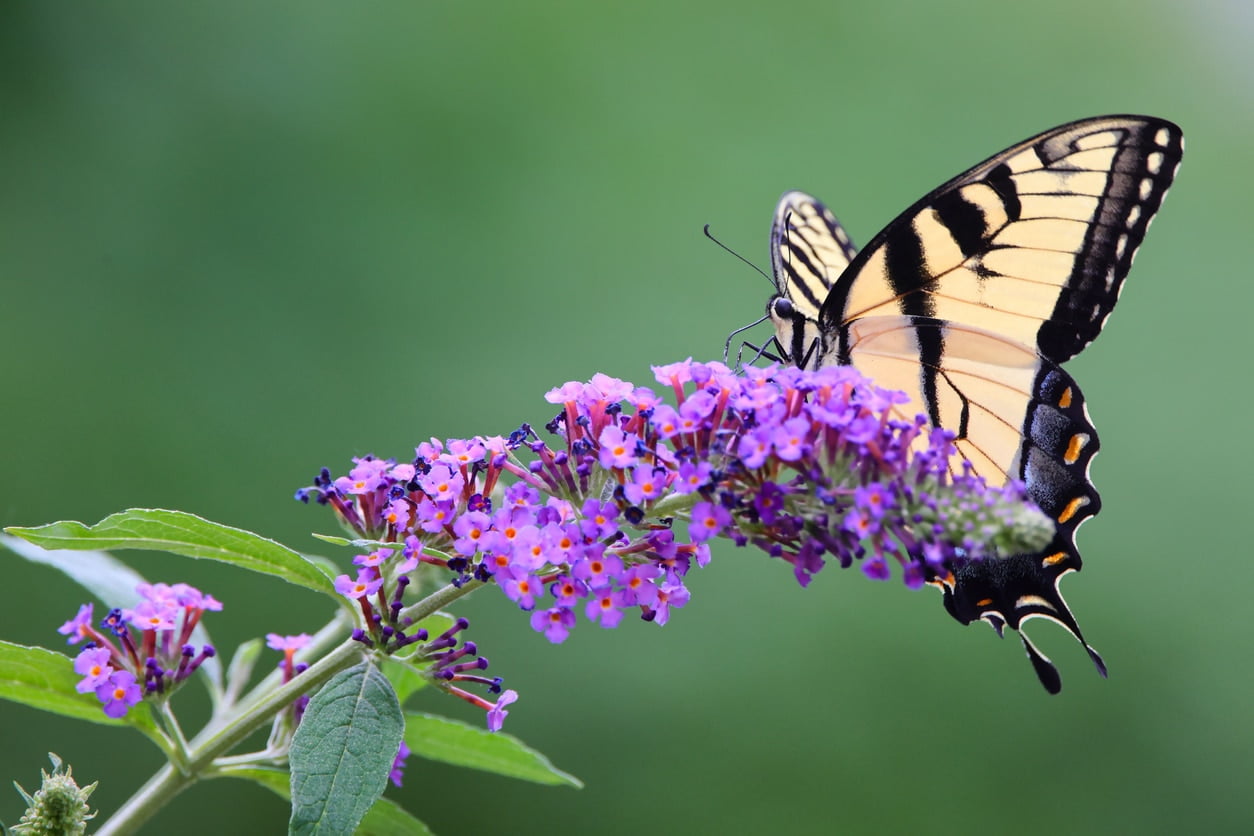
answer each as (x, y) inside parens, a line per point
(240, 241)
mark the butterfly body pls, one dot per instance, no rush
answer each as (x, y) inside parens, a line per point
(969, 301)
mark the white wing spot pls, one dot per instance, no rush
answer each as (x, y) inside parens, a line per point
(1121, 245)
(1033, 601)
(1134, 215)
(1162, 137)
(1154, 162)
(1147, 188)
(1110, 277)
(1097, 312)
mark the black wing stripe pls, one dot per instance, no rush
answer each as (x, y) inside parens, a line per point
(1146, 158)
(964, 221)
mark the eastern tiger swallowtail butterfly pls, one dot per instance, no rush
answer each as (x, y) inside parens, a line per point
(969, 301)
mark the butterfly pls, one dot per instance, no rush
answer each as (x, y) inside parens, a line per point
(969, 301)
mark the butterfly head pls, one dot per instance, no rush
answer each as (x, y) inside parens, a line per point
(797, 336)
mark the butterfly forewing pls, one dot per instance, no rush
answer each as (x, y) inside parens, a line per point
(1034, 243)
(809, 251)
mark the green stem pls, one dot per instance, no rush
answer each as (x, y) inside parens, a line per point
(178, 752)
(257, 709)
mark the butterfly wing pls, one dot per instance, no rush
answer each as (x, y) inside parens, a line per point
(1033, 243)
(1015, 414)
(809, 252)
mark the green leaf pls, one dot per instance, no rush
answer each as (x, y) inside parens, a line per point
(112, 582)
(185, 534)
(343, 750)
(386, 817)
(278, 781)
(45, 679)
(405, 680)
(451, 741)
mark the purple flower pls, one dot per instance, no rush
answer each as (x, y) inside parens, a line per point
(708, 520)
(669, 595)
(78, 627)
(274, 641)
(755, 446)
(638, 587)
(410, 554)
(646, 485)
(497, 714)
(365, 585)
(442, 484)
(555, 623)
(93, 665)
(790, 439)
(434, 516)
(598, 568)
(154, 615)
(118, 692)
(605, 607)
(876, 568)
(599, 519)
(463, 452)
(860, 523)
(568, 591)
(665, 421)
(374, 559)
(523, 589)
(692, 477)
(470, 528)
(873, 499)
(617, 450)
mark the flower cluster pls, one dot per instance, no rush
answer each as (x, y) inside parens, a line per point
(149, 652)
(389, 630)
(805, 465)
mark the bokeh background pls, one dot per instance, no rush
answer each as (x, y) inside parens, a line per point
(239, 241)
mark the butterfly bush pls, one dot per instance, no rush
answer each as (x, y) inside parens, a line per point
(610, 514)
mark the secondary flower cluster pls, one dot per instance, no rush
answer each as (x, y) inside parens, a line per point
(805, 465)
(149, 652)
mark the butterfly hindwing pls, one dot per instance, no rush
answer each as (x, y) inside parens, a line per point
(968, 301)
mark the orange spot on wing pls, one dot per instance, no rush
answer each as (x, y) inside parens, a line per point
(984, 602)
(1056, 557)
(1065, 399)
(1072, 506)
(1074, 446)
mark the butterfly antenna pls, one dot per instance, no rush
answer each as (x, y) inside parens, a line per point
(739, 256)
